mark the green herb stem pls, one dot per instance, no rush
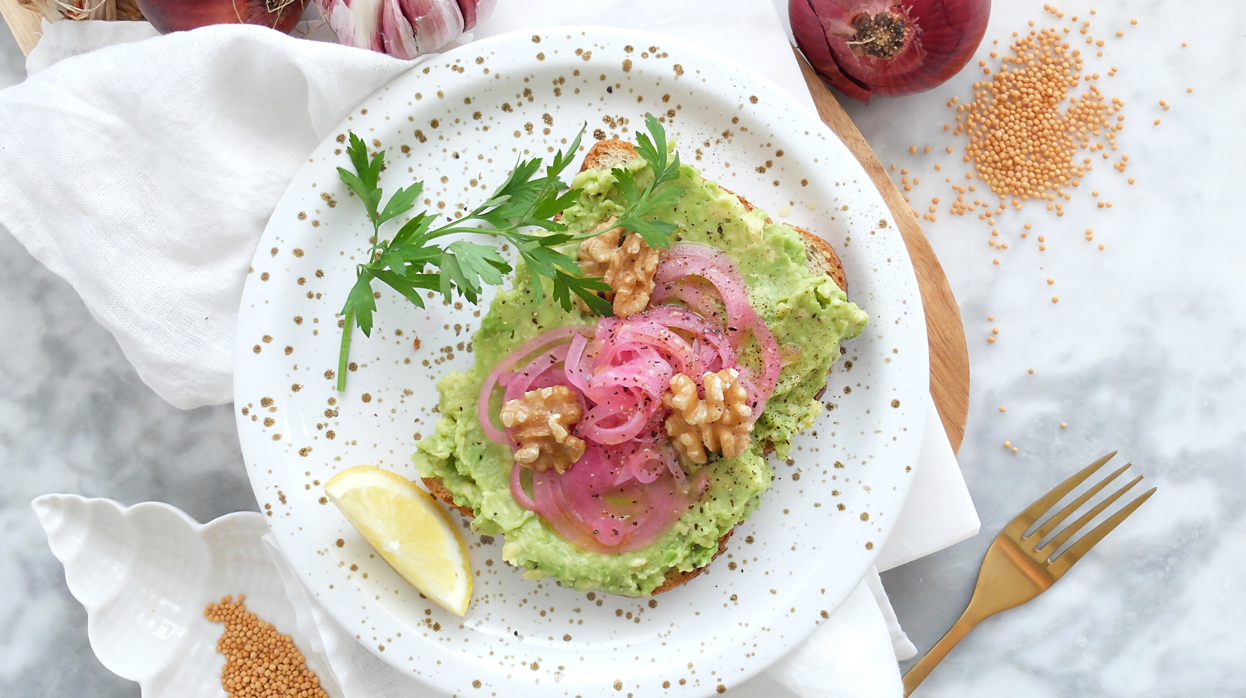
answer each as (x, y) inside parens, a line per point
(349, 321)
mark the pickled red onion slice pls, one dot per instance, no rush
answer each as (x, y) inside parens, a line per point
(517, 490)
(715, 267)
(700, 300)
(577, 371)
(528, 377)
(587, 507)
(628, 488)
(618, 421)
(486, 390)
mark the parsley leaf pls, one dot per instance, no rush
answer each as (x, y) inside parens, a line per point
(656, 194)
(412, 261)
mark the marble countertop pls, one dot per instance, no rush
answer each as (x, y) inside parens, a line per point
(1138, 355)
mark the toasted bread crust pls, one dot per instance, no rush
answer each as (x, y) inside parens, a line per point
(675, 578)
(820, 256)
(608, 154)
(439, 491)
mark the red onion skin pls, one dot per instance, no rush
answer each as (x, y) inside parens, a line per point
(181, 15)
(947, 34)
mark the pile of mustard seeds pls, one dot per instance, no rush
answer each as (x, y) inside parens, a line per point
(259, 661)
(1031, 136)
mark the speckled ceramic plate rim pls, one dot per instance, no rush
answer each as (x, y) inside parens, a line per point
(453, 670)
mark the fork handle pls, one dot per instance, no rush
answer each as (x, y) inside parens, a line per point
(919, 671)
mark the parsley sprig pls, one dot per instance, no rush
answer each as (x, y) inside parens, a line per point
(412, 261)
(641, 202)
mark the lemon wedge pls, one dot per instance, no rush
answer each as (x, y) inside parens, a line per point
(409, 529)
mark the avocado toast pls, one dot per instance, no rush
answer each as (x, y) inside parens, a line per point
(795, 285)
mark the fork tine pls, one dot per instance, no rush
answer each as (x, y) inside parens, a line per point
(1088, 541)
(1035, 511)
(1086, 518)
(1051, 524)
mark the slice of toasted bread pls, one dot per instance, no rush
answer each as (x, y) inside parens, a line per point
(820, 257)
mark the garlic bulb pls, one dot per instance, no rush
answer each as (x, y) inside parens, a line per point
(402, 28)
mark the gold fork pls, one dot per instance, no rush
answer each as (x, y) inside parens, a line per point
(1016, 570)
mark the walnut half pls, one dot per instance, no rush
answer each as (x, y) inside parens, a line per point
(628, 267)
(719, 422)
(542, 421)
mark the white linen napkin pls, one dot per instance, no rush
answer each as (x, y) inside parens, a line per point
(145, 173)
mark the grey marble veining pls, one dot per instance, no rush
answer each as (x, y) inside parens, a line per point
(1140, 354)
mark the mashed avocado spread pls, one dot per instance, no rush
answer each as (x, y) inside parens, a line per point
(808, 314)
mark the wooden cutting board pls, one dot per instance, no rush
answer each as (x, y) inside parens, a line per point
(23, 22)
(949, 355)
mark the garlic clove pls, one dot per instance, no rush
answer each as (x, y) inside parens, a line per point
(397, 35)
(356, 22)
(436, 23)
(474, 11)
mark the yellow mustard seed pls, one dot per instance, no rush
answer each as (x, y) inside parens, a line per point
(1026, 124)
(259, 661)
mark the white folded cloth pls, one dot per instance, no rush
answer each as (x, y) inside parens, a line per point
(144, 174)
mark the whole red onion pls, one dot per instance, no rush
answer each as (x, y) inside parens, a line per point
(178, 15)
(868, 47)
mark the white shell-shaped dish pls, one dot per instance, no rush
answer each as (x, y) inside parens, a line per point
(145, 574)
(459, 122)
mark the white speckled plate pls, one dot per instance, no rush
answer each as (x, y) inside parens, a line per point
(459, 122)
